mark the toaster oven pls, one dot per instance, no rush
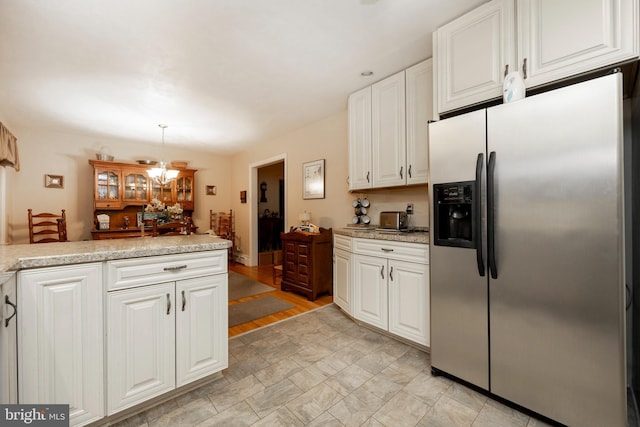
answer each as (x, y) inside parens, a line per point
(393, 220)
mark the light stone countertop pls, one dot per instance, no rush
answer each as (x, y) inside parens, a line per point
(18, 257)
(396, 236)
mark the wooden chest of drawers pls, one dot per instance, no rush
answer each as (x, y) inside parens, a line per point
(307, 265)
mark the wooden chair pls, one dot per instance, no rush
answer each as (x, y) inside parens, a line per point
(47, 227)
(222, 225)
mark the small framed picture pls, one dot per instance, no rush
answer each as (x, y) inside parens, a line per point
(211, 190)
(54, 181)
(243, 197)
(313, 180)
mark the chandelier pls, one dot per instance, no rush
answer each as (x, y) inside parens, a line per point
(161, 175)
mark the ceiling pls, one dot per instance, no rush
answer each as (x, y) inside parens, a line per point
(222, 74)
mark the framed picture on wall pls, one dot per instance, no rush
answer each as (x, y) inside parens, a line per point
(313, 180)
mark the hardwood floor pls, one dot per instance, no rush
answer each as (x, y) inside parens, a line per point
(264, 274)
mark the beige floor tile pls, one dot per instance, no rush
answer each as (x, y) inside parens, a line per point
(272, 397)
(308, 378)
(282, 417)
(239, 415)
(236, 392)
(278, 371)
(184, 416)
(448, 412)
(355, 409)
(349, 379)
(426, 388)
(466, 396)
(402, 410)
(314, 402)
(491, 416)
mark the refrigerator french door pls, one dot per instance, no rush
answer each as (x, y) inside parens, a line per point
(528, 303)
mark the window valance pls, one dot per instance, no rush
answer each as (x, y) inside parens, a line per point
(8, 149)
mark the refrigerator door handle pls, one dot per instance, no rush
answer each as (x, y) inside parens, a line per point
(478, 219)
(491, 200)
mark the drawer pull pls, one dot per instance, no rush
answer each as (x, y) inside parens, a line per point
(386, 250)
(15, 310)
(176, 268)
(168, 304)
(184, 301)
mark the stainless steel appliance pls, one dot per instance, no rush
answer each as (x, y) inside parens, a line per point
(393, 220)
(527, 256)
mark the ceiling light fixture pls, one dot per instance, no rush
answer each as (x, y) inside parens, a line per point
(161, 175)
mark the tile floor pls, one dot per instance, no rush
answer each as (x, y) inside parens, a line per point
(322, 369)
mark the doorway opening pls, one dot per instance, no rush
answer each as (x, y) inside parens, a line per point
(267, 210)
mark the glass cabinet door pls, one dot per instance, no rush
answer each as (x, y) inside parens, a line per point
(107, 185)
(184, 187)
(162, 193)
(136, 186)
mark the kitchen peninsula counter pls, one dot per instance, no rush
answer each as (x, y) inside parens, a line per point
(395, 236)
(22, 256)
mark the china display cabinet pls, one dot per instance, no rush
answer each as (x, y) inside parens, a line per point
(121, 190)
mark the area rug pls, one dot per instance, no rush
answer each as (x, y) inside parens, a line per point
(247, 311)
(241, 287)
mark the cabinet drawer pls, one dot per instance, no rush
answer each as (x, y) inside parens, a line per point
(143, 271)
(412, 252)
(342, 242)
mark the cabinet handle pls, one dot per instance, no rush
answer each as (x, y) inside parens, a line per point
(15, 310)
(391, 274)
(168, 304)
(177, 267)
(382, 271)
(401, 169)
(524, 68)
(409, 171)
(368, 176)
(506, 70)
(348, 183)
(386, 250)
(184, 301)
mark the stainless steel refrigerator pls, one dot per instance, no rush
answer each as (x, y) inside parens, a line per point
(527, 252)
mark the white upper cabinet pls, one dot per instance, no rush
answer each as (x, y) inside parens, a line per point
(559, 39)
(472, 54)
(389, 134)
(553, 39)
(388, 130)
(360, 139)
(419, 101)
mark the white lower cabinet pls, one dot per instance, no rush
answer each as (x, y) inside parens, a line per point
(389, 285)
(163, 336)
(201, 327)
(140, 344)
(60, 339)
(409, 301)
(342, 286)
(8, 340)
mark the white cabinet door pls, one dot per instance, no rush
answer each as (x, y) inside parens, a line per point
(388, 133)
(472, 53)
(140, 344)
(563, 38)
(409, 301)
(201, 327)
(370, 290)
(8, 340)
(342, 279)
(60, 339)
(360, 139)
(419, 99)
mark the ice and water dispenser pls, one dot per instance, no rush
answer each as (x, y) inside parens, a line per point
(454, 214)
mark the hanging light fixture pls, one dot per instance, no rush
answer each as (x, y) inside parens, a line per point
(161, 174)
